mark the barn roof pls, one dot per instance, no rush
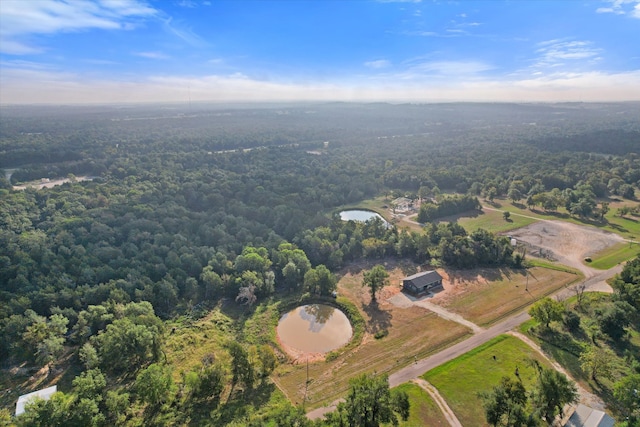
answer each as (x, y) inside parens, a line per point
(44, 394)
(585, 416)
(423, 278)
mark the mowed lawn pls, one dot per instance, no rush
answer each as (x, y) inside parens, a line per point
(423, 410)
(492, 221)
(486, 296)
(412, 332)
(614, 255)
(460, 380)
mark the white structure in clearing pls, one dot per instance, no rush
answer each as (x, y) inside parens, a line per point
(583, 416)
(44, 394)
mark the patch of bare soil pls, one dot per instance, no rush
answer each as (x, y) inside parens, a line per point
(299, 356)
(460, 282)
(565, 242)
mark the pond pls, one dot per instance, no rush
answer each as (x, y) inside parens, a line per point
(314, 328)
(359, 215)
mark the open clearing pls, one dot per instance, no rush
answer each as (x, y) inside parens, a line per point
(489, 220)
(460, 380)
(413, 333)
(565, 242)
(627, 226)
(484, 296)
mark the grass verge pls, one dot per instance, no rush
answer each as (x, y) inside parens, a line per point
(460, 380)
(423, 410)
(614, 255)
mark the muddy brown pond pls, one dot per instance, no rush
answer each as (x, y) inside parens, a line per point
(314, 328)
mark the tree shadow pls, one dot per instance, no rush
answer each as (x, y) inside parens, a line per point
(490, 274)
(379, 320)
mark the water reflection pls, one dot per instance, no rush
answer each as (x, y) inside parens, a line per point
(317, 315)
(315, 328)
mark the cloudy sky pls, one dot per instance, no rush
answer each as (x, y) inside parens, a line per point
(80, 51)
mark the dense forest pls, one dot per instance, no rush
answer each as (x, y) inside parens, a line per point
(168, 210)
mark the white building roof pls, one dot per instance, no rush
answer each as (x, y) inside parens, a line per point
(589, 417)
(45, 394)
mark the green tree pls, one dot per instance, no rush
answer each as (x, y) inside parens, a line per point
(47, 413)
(597, 362)
(506, 215)
(627, 392)
(375, 279)
(505, 404)
(268, 360)
(320, 280)
(371, 403)
(46, 338)
(131, 341)
(207, 383)
(552, 391)
(242, 370)
(546, 311)
(604, 209)
(154, 385)
(90, 384)
(614, 319)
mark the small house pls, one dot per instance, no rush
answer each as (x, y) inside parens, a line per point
(584, 416)
(402, 204)
(422, 283)
(44, 394)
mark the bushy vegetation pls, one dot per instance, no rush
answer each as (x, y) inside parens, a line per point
(596, 337)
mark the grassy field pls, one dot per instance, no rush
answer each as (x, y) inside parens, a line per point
(491, 221)
(423, 411)
(460, 380)
(628, 226)
(487, 295)
(412, 332)
(614, 255)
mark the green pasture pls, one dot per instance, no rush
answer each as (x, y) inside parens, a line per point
(492, 221)
(460, 380)
(614, 255)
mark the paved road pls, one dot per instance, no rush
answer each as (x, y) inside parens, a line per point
(409, 373)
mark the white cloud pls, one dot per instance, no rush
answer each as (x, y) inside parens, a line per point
(380, 63)
(152, 55)
(562, 52)
(187, 3)
(609, 10)
(24, 18)
(622, 7)
(185, 34)
(446, 69)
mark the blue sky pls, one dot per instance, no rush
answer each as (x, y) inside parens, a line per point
(77, 51)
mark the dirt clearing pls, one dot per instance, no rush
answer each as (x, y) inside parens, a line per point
(565, 242)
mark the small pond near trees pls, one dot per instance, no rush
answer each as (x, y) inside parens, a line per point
(359, 215)
(314, 328)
